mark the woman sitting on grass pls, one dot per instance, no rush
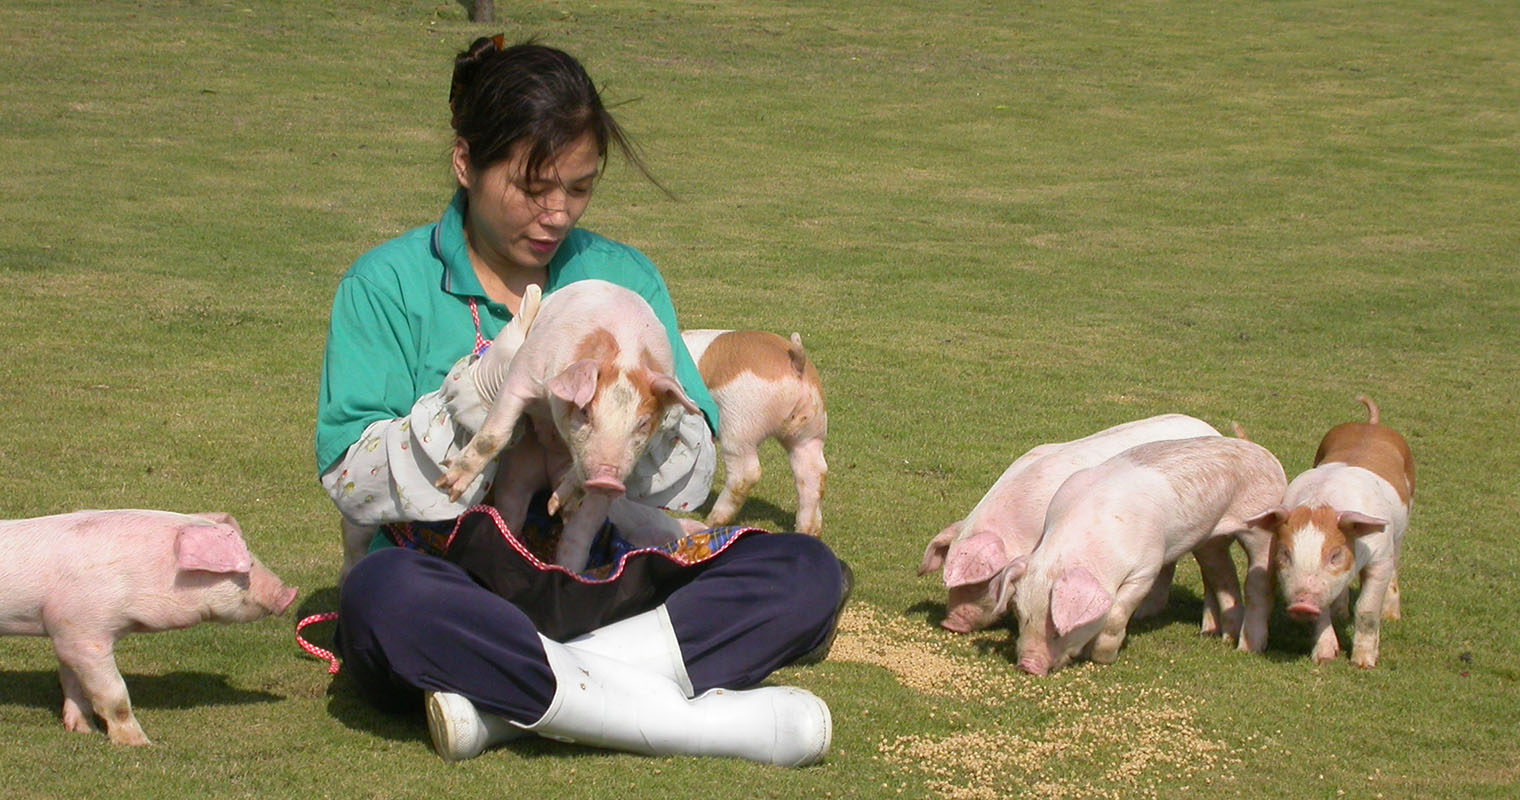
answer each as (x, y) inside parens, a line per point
(532, 138)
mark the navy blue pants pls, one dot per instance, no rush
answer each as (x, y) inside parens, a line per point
(411, 622)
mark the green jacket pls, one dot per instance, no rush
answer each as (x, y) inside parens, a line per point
(401, 318)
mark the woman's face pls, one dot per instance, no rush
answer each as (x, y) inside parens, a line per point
(515, 223)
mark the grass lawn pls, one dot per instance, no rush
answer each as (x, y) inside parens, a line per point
(994, 225)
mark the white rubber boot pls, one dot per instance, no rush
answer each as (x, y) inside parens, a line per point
(645, 641)
(603, 702)
(460, 732)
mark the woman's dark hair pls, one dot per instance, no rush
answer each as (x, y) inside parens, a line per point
(528, 93)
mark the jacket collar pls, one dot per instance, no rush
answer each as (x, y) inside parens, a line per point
(451, 248)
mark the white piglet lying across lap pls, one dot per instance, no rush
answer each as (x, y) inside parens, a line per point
(596, 366)
(88, 578)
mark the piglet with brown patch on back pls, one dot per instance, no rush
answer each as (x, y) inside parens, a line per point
(765, 388)
(596, 365)
(1345, 516)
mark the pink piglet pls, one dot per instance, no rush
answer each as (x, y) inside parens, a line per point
(88, 578)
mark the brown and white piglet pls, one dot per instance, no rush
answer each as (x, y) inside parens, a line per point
(90, 577)
(1346, 516)
(595, 368)
(765, 388)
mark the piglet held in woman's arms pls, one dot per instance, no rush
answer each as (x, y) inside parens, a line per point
(597, 366)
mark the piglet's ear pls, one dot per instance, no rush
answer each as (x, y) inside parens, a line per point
(1077, 599)
(666, 388)
(934, 554)
(976, 559)
(577, 384)
(221, 518)
(212, 548)
(1355, 523)
(1005, 581)
(1268, 520)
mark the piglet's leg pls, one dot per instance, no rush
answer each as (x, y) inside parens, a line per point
(1258, 590)
(521, 472)
(643, 526)
(1105, 648)
(76, 707)
(1376, 578)
(1391, 605)
(1326, 646)
(356, 541)
(1161, 591)
(94, 665)
(579, 531)
(741, 471)
(494, 435)
(809, 469)
(1222, 583)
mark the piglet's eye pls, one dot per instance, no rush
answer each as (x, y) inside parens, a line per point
(1338, 557)
(1284, 557)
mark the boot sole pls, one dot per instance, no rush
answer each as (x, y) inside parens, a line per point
(444, 726)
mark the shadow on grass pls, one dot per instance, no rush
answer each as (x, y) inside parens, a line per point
(172, 691)
(398, 717)
(346, 701)
(993, 640)
(758, 512)
(405, 721)
(1288, 640)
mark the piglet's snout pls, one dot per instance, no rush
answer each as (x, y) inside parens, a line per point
(1304, 611)
(1034, 666)
(605, 479)
(965, 618)
(284, 600)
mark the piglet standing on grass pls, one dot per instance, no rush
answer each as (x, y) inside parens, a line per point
(1008, 521)
(1344, 516)
(765, 388)
(597, 366)
(1112, 529)
(88, 578)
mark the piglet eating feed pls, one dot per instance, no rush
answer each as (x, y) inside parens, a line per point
(1009, 519)
(765, 388)
(597, 366)
(88, 578)
(1113, 529)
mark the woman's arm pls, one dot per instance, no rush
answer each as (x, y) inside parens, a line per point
(379, 445)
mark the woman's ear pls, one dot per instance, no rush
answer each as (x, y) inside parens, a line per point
(462, 163)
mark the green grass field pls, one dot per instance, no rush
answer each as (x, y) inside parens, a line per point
(994, 225)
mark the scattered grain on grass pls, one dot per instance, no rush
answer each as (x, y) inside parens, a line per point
(1044, 734)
